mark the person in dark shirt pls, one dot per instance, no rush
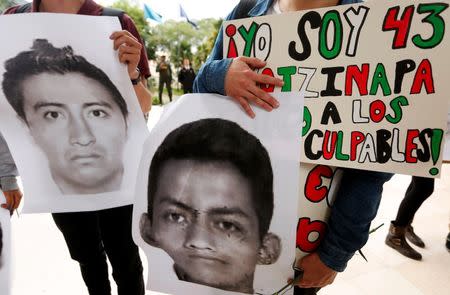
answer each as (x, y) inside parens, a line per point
(186, 76)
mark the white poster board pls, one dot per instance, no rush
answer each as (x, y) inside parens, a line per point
(193, 161)
(79, 139)
(374, 76)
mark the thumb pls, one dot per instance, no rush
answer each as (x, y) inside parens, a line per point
(253, 62)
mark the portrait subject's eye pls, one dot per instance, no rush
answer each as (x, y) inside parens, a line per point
(98, 113)
(52, 115)
(228, 227)
(175, 217)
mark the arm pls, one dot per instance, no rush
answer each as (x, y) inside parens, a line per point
(355, 207)
(8, 181)
(144, 96)
(130, 54)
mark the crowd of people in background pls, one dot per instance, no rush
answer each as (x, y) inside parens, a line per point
(186, 77)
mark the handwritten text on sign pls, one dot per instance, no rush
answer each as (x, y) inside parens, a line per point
(375, 77)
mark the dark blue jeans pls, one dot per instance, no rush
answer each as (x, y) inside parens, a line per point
(93, 236)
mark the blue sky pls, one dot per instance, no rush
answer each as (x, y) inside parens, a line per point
(195, 9)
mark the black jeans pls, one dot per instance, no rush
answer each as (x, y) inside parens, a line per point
(91, 236)
(418, 191)
(161, 88)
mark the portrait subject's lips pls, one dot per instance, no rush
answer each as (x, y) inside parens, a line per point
(84, 158)
(208, 259)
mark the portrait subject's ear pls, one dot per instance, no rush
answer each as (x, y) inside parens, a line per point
(270, 249)
(145, 229)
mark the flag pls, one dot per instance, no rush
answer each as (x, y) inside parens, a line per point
(151, 14)
(184, 15)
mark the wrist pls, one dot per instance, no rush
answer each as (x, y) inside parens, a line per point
(135, 77)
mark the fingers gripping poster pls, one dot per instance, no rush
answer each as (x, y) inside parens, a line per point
(216, 201)
(69, 114)
(374, 77)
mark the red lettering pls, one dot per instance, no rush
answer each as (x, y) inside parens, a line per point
(356, 139)
(377, 111)
(267, 87)
(329, 144)
(232, 49)
(424, 76)
(410, 145)
(359, 76)
(304, 228)
(400, 26)
(314, 190)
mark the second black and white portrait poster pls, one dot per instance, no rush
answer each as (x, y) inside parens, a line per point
(217, 194)
(69, 112)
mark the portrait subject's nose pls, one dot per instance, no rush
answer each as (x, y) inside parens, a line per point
(199, 237)
(80, 132)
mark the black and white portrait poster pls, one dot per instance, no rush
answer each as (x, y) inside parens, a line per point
(217, 194)
(69, 112)
(5, 249)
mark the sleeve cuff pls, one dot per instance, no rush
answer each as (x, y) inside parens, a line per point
(333, 257)
(8, 183)
(215, 75)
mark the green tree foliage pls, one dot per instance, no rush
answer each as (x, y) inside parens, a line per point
(205, 48)
(182, 40)
(178, 38)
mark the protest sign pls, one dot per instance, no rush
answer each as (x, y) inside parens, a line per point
(374, 81)
(374, 77)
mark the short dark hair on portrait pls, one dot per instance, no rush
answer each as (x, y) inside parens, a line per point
(45, 58)
(224, 141)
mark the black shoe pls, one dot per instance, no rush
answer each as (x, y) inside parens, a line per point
(396, 240)
(413, 238)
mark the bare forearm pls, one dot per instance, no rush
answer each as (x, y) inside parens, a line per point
(144, 96)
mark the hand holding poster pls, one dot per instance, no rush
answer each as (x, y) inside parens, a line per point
(216, 197)
(374, 77)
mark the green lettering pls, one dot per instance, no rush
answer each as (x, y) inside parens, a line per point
(287, 73)
(435, 20)
(330, 16)
(248, 37)
(396, 105)
(380, 79)
(339, 155)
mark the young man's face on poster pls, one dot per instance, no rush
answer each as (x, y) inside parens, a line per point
(205, 220)
(79, 127)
